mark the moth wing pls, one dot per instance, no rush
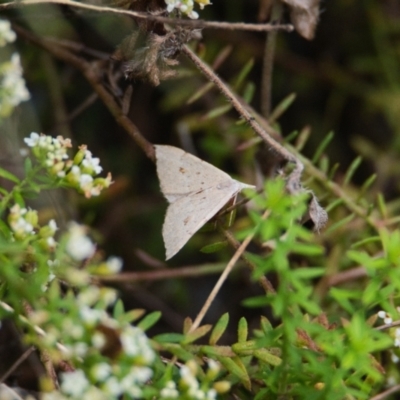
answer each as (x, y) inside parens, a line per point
(181, 173)
(188, 214)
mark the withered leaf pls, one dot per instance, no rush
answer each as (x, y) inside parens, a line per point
(149, 56)
(317, 214)
(304, 15)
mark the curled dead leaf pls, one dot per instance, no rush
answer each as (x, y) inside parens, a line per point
(304, 16)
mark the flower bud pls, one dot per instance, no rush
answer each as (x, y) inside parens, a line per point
(222, 386)
(31, 217)
(80, 155)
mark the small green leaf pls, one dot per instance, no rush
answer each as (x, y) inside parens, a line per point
(302, 138)
(243, 330)
(199, 93)
(27, 165)
(382, 206)
(308, 272)
(321, 148)
(236, 367)
(366, 185)
(149, 320)
(266, 356)
(351, 170)
(363, 242)
(244, 348)
(132, 315)
(282, 107)
(4, 229)
(219, 329)
(258, 301)
(118, 309)
(218, 111)
(196, 334)
(333, 205)
(338, 224)
(307, 249)
(8, 175)
(214, 247)
(178, 351)
(214, 351)
(266, 326)
(169, 338)
(18, 199)
(333, 171)
(369, 296)
(248, 92)
(243, 73)
(291, 136)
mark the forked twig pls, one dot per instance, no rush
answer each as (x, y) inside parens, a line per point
(222, 278)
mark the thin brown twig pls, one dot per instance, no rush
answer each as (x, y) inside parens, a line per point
(38, 330)
(17, 363)
(387, 326)
(44, 355)
(239, 252)
(241, 109)
(198, 24)
(264, 282)
(386, 393)
(182, 272)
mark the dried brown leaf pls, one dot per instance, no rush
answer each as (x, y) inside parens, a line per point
(304, 16)
(317, 214)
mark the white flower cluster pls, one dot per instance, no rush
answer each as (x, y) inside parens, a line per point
(12, 85)
(78, 173)
(112, 380)
(96, 378)
(7, 35)
(23, 223)
(189, 386)
(186, 6)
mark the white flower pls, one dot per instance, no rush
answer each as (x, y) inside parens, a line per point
(89, 296)
(211, 394)
(101, 371)
(135, 343)
(7, 35)
(79, 246)
(91, 163)
(112, 386)
(74, 383)
(114, 264)
(395, 358)
(90, 316)
(53, 225)
(169, 391)
(98, 340)
(32, 140)
(108, 296)
(185, 6)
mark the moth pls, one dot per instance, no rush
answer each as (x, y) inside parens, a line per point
(195, 190)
